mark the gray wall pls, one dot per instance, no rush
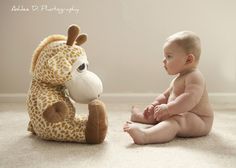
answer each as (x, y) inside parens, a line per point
(125, 40)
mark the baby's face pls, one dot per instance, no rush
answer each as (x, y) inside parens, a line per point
(174, 58)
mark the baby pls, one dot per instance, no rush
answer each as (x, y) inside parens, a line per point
(183, 110)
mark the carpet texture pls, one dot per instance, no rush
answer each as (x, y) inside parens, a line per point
(20, 149)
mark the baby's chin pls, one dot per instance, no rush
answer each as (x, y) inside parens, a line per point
(171, 73)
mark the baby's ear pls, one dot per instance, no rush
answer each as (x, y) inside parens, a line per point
(59, 65)
(190, 59)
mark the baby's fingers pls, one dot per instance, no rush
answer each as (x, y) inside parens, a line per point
(150, 109)
(155, 116)
(146, 114)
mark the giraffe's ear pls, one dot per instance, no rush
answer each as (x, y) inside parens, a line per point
(59, 66)
(73, 32)
(81, 39)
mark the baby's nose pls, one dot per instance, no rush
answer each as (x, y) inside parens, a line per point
(164, 60)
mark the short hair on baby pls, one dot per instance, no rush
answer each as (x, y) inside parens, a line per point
(189, 41)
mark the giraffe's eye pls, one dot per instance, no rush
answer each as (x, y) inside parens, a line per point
(81, 67)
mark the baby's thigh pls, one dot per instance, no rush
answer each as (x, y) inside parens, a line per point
(190, 125)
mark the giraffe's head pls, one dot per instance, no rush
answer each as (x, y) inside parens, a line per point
(61, 61)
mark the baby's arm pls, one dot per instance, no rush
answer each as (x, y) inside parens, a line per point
(194, 87)
(161, 99)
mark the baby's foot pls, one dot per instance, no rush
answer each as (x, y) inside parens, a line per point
(135, 114)
(135, 132)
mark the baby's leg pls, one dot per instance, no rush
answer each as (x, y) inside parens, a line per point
(184, 125)
(137, 116)
(160, 133)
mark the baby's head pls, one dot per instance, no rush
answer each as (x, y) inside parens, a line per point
(182, 52)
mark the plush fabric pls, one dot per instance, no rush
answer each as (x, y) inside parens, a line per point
(52, 114)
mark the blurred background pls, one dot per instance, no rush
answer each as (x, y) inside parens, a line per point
(125, 39)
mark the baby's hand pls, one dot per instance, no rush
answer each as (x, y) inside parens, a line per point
(161, 112)
(148, 111)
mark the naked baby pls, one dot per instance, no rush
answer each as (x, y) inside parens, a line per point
(183, 110)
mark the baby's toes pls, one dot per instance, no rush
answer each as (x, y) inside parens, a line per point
(126, 128)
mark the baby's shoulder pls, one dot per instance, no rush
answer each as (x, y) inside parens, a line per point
(195, 77)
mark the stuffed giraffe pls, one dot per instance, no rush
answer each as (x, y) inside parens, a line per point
(59, 76)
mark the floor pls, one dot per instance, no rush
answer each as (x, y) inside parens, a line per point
(18, 148)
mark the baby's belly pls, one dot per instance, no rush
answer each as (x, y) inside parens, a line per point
(203, 110)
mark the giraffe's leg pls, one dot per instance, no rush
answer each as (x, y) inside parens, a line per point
(30, 128)
(97, 123)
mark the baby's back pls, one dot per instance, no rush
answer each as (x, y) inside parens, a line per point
(203, 108)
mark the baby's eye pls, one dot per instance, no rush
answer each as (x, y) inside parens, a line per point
(168, 56)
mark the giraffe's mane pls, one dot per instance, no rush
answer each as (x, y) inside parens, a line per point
(41, 46)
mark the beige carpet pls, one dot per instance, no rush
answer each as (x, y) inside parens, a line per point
(20, 149)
